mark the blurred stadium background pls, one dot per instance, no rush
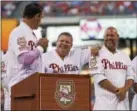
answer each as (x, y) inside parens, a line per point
(85, 20)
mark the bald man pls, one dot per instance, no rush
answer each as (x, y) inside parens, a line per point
(113, 75)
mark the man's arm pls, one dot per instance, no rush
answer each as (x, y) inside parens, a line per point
(87, 53)
(121, 92)
(129, 84)
(95, 50)
(98, 73)
(106, 84)
(134, 65)
(135, 87)
(27, 58)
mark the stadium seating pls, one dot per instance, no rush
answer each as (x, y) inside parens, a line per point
(77, 8)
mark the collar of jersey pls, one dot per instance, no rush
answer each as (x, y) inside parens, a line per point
(25, 27)
(57, 55)
(106, 50)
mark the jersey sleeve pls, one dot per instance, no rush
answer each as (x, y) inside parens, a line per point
(45, 68)
(130, 70)
(29, 57)
(18, 43)
(85, 55)
(135, 78)
(5, 80)
(134, 65)
(97, 69)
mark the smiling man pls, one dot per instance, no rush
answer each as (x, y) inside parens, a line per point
(65, 60)
(113, 75)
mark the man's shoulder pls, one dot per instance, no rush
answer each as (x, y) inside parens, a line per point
(134, 59)
(78, 50)
(74, 51)
(123, 54)
(48, 54)
(16, 31)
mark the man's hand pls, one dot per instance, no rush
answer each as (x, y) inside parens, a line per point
(43, 42)
(135, 87)
(106, 84)
(2, 96)
(121, 93)
(95, 51)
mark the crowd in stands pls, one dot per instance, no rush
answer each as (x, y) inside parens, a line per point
(79, 8)
(8, 7)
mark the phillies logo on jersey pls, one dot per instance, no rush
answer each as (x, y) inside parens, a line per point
(113, 65)
(65, 68)
(31, 44)
(65, 93)
(23, 44)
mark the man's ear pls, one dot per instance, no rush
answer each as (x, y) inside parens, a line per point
(37, 16)
(71, 45)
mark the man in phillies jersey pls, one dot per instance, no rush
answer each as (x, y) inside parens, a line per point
(113, 75)
(134, 102)
(24, 49)
(65, 60)
(4, 62)
(3, 76)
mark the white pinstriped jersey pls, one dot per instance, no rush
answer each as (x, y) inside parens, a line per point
(71, 64)
(117, 69)
(4, 62)
(134, 101)
(21, 40)
(134, 64)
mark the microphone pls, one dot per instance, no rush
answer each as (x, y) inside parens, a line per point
(43, 33)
